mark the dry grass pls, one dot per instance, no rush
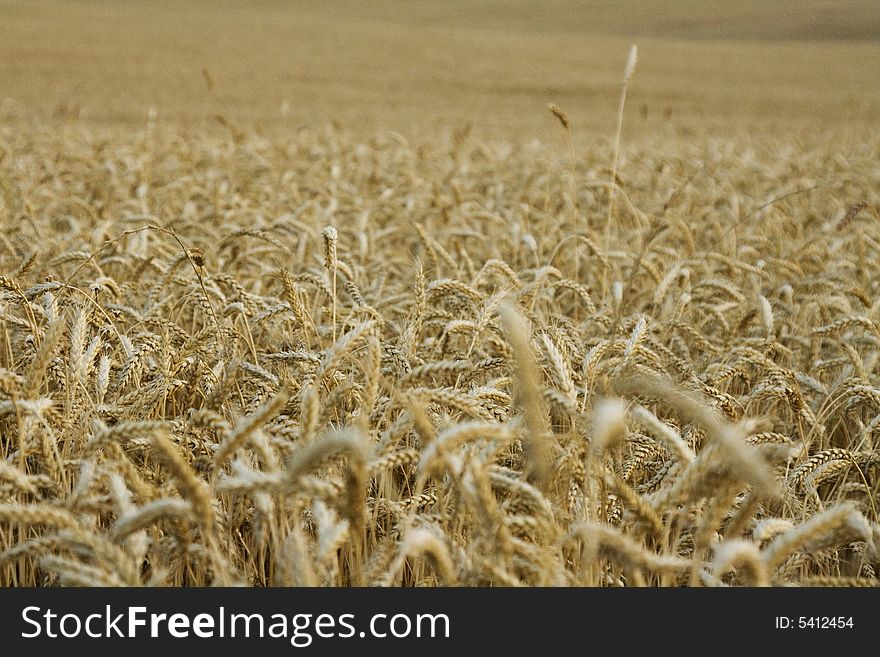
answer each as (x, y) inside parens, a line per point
(331, 358)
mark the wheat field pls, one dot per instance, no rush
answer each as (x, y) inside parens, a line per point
(292, 295)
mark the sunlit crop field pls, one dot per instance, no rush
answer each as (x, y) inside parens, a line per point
(324, 294)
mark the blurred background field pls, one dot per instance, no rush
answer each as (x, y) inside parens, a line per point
(707, 67)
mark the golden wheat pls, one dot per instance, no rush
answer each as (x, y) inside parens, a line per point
(317, 360)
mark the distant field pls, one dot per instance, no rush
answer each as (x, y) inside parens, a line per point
(719, 66)
(326, 294)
